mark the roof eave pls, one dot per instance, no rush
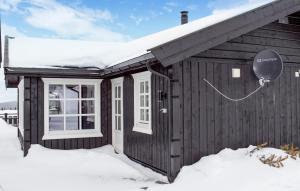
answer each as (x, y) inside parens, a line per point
(136, 64)
(46, 72)
(197, 42)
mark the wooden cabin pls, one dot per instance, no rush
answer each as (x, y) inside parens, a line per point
(155, 107)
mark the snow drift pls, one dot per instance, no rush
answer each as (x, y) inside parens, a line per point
(232, 170)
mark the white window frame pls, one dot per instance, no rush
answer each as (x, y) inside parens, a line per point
(21, 106)
(140, 126)
(67, 134)
(117, 82)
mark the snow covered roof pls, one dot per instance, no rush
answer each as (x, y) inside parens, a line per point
(45, 53)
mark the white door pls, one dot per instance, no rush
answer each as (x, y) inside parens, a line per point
(117, 114)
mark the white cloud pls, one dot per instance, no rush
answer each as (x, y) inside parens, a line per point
(8, 94)
(192, 7)
(72, 22)
(170, 6)
(138, 19)
(168, 9)
(75, 21)
(8, 5)
(234, 6)
(11, 31)
(216, 5)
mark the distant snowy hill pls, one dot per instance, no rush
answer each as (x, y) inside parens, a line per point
(12, 105)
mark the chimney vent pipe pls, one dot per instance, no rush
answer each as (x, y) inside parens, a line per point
(184, 17)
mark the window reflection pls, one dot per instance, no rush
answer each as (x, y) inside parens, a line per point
(56, 107)
(72, 91)
(56, 123)
(72, 123)
(87, 91)
(88, 122)
(72, 107)
(88, 107)
(56, 91)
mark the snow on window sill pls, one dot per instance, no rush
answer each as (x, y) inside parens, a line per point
(71, 136)
(142, 128)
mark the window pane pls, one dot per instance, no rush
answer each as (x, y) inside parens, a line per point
(88, 122)
(88, 107)
(56, 123)
(72, 91)
(116, 92)
(147, 101)
(146, 87)
(56, 91)
(119, 106)
(87, 91)
(142, 101)
(142, 114)
(119, 91)
(147, 115)
(119, 123)
(72, 123)
(142, 87)
(56, 107)
(116, 122)
(116, 106)
(72, 107)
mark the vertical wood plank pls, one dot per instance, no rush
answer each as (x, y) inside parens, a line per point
(187, 97)
(27, 111)
(210, 109)
(195, 110)
(203, 112)
(218, 138)
(40, 114)
(34, 110)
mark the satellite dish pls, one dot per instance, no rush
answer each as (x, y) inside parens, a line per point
(267, 66)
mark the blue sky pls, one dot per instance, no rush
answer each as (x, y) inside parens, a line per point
(101, 20)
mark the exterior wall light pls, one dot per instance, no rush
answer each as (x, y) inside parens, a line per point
(236, 73)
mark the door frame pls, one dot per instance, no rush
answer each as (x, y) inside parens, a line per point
(117, 82)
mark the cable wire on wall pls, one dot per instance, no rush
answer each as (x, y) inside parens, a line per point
(233, 99)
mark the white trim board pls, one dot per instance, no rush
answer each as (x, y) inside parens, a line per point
(66, 134)
(117, 144)
(139, 126)
(21, 106)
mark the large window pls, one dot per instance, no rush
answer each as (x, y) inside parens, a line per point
(142, 102)
(72, 108)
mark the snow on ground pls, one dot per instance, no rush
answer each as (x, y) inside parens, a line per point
(232, 170)
(45, 169)
(101, 169)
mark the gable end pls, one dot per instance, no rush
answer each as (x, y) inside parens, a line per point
(187, 46)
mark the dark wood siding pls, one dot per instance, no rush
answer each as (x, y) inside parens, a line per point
(150, 150)
(205, 122)
(34, 119)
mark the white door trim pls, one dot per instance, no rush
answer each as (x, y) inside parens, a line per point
(117, 136)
